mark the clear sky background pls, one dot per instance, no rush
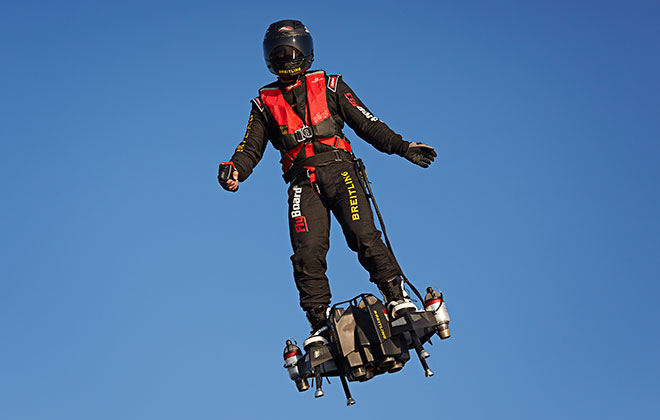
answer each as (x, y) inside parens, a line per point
(133, 287)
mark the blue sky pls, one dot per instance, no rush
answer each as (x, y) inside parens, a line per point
(133, 287)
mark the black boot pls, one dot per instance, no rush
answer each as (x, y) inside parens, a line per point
(396, 298)
(318, 319)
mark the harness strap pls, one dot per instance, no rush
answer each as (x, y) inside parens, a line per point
(313, 179)
(318, 124)
(321, 159)
(290, 156)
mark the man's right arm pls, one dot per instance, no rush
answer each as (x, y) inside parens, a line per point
(250, 151)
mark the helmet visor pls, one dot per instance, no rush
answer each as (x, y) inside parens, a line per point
(303, 44)
(285, 54)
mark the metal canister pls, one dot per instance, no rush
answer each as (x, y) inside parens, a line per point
(292, 355)
(434, 302)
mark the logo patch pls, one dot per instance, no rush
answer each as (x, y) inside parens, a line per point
(332, 83)
(300, 224)
(364, 112)
(295, 203)
(295, 85)
(352, 195)
(299, 221)
(296, 70)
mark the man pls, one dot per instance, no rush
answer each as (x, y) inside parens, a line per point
(302, 114)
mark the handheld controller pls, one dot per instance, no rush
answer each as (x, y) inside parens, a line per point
(225, 172)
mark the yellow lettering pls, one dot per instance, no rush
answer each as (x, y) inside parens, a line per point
(352, 195)
(249, 127)
(289, 71)
(380, 326)
(241, 146)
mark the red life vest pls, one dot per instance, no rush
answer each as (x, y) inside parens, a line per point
(319, 125)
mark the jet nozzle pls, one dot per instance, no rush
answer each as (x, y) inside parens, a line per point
(302, 384)
(443, 332)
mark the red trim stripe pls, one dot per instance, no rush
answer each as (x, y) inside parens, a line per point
(291, 354)
(432, 301)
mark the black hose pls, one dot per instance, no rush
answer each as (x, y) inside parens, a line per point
(362, 172)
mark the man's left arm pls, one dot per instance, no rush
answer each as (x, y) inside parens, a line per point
(376, 132)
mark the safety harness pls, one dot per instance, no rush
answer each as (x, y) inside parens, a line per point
(298, 134)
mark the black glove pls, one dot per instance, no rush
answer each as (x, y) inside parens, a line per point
(225, 173)
(420, 154)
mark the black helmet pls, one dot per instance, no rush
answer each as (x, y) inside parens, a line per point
(288, 48)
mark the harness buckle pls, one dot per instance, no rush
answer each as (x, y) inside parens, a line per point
(303, 133)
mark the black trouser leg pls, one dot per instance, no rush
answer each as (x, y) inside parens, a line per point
(309, 229)
(352, 209)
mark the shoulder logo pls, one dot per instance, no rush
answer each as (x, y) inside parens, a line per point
(368, 115)
(257, 102)
(332, 83)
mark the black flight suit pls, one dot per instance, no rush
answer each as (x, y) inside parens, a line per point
(337, 190)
